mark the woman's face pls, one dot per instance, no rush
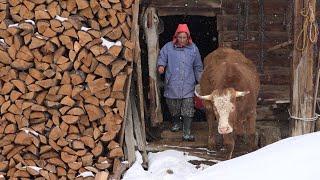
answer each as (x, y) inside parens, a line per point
(182, 38)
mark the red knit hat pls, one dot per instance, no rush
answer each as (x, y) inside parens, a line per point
(182, 28)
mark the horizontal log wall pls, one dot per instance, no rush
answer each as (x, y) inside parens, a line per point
(245, 35)
(241, 30)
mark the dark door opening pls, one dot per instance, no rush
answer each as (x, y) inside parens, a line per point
(204, 34)
(203, 31)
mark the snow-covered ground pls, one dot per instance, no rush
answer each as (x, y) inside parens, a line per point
(294, 158)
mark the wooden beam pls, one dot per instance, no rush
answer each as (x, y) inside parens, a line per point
(129, 136)
(302, 73)
(316, 100)
(139, 131)
(186, 3)
(138, 70)
(134, 38)
(173, 11)
(132, 116)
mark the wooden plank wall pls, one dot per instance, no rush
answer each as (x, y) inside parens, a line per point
(239, 25)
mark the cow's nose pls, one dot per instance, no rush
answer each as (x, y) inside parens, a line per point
(224, 130)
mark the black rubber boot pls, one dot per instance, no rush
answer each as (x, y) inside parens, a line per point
(187, 136)
(176, 124)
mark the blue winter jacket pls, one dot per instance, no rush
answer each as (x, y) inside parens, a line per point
(183, 69)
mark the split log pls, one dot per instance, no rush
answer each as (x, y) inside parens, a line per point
(102, 175)
(115, 34)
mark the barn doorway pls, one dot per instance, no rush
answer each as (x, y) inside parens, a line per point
(204, 34)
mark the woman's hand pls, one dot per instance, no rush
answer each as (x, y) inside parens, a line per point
(161, 69)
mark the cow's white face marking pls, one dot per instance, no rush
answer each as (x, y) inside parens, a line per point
(224, 107)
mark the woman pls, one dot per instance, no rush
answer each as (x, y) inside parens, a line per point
(180, 60)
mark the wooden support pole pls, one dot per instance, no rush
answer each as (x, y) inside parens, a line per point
(150, 25)
(302, 71)
(135, 39)
(138, 121)
(138, 131)
(129, 136)
(315, 100)
(138, 70)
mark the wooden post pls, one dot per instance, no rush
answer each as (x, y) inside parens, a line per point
(302, 72)
(317, 128)
(151, 22)
(138, 121)
(138, 70)
(134, 39)
(138, 131)
(129, 136)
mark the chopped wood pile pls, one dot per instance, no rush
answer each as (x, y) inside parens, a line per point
(63, 72)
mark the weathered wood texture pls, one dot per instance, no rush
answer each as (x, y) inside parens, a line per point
(134, 128)
(302, 69)
(150, 25)
(139, 84)
(185, 7)
(129, 136)
(64, 69)
(253, 28)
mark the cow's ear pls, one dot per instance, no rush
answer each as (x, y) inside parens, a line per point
(241, 93)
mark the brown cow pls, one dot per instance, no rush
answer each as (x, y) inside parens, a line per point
(229, 85)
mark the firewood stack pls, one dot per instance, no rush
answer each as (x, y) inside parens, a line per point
(63, 72)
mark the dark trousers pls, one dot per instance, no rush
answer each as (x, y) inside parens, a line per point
(181, 107)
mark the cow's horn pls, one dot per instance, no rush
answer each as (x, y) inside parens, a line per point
(241, 93)
(207, 97)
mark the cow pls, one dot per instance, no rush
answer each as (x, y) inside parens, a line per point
(229, 87)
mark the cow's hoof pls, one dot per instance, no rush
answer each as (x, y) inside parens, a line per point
(229, 155)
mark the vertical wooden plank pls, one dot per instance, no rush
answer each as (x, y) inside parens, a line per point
(150, 25)
(289, 17)
(220, 24)
(246, 25)
(317, 128)
(137, 57)
(138, 131)
(127, 128)
(239, 26)
(129, 136)
(135, 39)
(302, 72)
(261, 36)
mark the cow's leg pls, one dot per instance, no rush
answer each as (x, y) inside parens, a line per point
(228, 143)
(211, 133)
(251, 125)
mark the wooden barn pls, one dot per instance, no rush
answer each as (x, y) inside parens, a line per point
(79, 90)
(267, 32)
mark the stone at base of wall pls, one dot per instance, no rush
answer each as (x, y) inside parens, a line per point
(268, 134)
